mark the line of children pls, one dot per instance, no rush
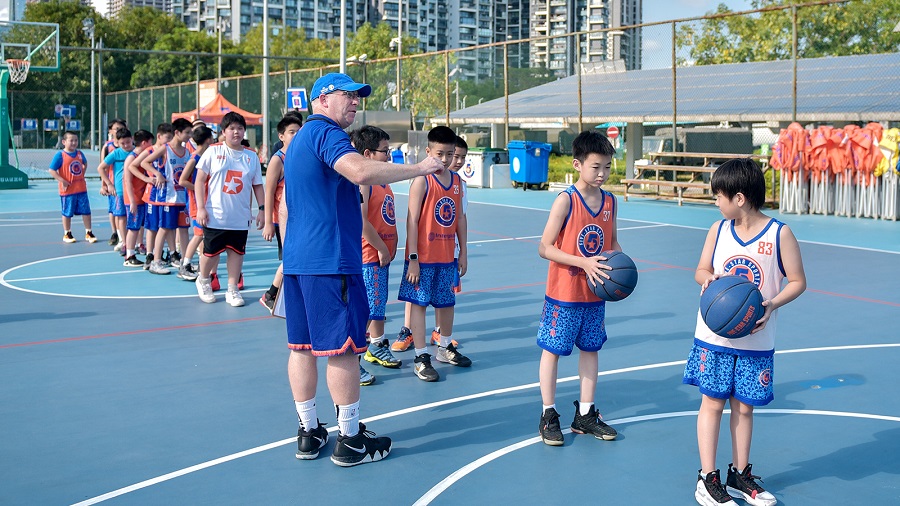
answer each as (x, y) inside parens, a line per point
(114, 165)
(135, 208)
(164, 134)
(67, 168)
(201, 138)
(111, 144)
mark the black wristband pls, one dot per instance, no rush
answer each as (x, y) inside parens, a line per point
(262, 208)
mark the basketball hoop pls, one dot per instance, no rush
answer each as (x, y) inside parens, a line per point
(18, 70)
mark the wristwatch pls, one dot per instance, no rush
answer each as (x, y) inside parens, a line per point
(262, 207)
(414, 256)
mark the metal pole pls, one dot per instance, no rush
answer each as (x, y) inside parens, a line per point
(447, 85)
(399, 46)
(100, 83)
(578, 70)
(343, 36)
(674, 95)
(506, 93)
(265, 76)
(219, 73)
(93, 99)
(794, 58)
(197, 90)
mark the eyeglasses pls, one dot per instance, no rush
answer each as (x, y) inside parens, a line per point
(385, 151)
(352, 95)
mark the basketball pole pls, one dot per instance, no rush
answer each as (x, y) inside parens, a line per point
(11, 178)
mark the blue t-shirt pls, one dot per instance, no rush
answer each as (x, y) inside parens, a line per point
(324, 219)
(116, 160)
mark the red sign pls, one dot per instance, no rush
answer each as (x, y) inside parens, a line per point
(612, 132)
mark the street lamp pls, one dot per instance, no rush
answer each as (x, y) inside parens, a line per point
(398, 41)
(222, 24)
(362, 59)
(88, 26)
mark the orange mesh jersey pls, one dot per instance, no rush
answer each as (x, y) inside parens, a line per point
(440, 217)
(382, 216)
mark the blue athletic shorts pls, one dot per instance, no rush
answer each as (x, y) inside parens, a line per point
(563, 327)
(154, 217)
(110, 204)
(136, 221)
(118, 205)
(376, 279)
(457, 282)
(435, 286)
(326, 314)
(724, 375)
(77, 203)
(168, 217)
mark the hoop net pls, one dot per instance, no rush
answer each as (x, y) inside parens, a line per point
(18, 70)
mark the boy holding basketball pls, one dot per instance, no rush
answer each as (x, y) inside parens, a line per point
(434, 222)
(746, 243)
(582, 224)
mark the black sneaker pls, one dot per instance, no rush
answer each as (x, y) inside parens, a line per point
(362, 448)
(423, 369)
(113, 239)
(148, 261)
(309, 443)
(449, 355)
(175, 259)
(268, 301)
(710, 491)
(132, 261)
(742, 485)
(592, 424)
(549, 428)
(68, 237)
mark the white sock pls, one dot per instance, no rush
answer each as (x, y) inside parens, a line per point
(306, 413)
(584, 408)
(546, 407)
(232, 288)
(437, 329)
(129, 253)
(445, 341)
(420, 351)
(376, 339)
(348, 419)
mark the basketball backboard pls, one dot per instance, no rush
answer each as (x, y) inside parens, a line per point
(36, 42)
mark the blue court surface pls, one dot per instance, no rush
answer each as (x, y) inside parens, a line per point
(121, 387)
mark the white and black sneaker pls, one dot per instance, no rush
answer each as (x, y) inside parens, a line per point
(449, 355)
(423, 368)
(711, 492)
(359, 449)
(309, 443)
(743, 485)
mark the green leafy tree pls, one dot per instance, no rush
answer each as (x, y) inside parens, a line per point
(853, 27)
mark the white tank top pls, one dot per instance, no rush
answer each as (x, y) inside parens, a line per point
(758, 260)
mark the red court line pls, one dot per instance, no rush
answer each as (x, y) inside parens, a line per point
(854, 297)
(133, 332)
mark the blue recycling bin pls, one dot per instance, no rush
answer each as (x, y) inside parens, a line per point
(397, 156)
(528, 163)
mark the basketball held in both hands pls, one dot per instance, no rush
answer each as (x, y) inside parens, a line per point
(623, 277)
(731, 305)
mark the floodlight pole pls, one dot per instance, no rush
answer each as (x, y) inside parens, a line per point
(343, 54)
(399, 46)
(88, 27)
(265, 79)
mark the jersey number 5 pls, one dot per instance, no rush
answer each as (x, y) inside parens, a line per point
(233, 182)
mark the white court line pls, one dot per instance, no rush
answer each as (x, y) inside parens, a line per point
(422, 407)
(472, 466)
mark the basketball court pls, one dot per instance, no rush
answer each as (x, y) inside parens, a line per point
(121, 387)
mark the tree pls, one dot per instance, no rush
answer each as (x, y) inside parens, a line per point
(853, 27)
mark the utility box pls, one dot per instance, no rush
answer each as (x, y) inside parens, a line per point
(529, 163)
(479, 162)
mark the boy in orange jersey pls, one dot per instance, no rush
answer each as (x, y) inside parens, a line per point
(379, 246)
(582, 224)
(287, 128)
(164, 134)
(135, 208)
(434, 222)
(201, 138)
(67, 167)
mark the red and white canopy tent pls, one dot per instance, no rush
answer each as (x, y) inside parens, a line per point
(215, 110)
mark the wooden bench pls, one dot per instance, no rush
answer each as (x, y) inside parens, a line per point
(679, 187)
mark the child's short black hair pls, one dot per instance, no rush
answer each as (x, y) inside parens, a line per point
(70, 132)
(740, 175)
(230, 118)
(201, 134)
(368, 137)
(115, 121)
(165, 128)
(181, 124)
(288, 120)
(245, 143)
(441, 135)
(142, 136)
(591, 141)
(461, 143)
(123, 133)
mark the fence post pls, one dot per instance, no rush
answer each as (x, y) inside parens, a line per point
(578, 70)
(794, 58)
(506, 93)
(674, 94)
(447, 85)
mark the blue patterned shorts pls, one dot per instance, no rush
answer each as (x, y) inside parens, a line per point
(376, 278)
(563, 327)
(136, 221)
(723, 375)
(77, 203)
(117, 205)
(435, 286)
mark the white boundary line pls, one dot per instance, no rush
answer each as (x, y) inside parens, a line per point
(522, 444)
(460, 473)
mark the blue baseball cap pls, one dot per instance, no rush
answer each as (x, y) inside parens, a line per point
(335, 81)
